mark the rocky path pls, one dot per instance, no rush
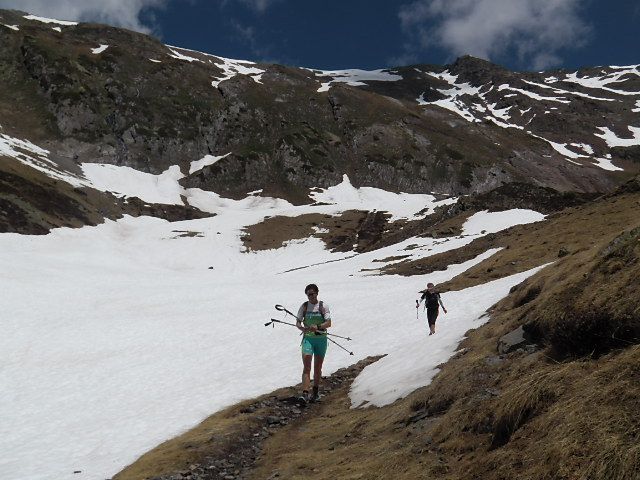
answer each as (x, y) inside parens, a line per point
(235, 454)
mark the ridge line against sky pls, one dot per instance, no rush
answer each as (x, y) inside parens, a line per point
(519, 34)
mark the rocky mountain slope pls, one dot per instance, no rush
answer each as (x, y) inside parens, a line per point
(86, 93)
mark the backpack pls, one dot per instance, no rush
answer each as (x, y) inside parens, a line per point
(320, 309)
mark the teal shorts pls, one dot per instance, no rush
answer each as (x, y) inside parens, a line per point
(314, 346)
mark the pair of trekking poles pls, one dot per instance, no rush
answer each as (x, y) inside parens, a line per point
(280, 308)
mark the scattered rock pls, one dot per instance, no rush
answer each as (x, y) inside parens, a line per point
(494, 360)
(513, 341)
(238, 453)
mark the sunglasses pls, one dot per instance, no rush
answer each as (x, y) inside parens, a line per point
(311, 293)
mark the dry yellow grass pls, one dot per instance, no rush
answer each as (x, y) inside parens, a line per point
(213, 437)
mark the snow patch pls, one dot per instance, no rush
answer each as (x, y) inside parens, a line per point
(606, 163)
(38, 158)
(354, 77)
(588, 149)
(567, 92)
(179, 56)
(533, 95)
(486, 222)
(205, 161)
(232, 67)
(49, 20)
(453, 101)
(99, 49)
(614, 141)
(128, 182)
(12, 27)
(400, 205)
(602, 82)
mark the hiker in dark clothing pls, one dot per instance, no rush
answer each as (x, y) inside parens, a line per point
(432, 303)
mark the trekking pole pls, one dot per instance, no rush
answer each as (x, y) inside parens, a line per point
(333, 341)
(283, 309)
(417, 309)
(278, 321)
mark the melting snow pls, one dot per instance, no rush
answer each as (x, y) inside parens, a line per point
(602, 82)
(535, 96)
(614, 141)
(99, 49)
(37, 158)
(588, 149)
(180, 56)
(606, 163)
(12, 27)
(452, 101)
(491, 222)
(204, 161)
(401, 205)
(561, 148)
(567, 92)
(232, 67)
(49, 20)
(126, 181)
(354, 77)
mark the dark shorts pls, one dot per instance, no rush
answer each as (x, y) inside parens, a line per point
(432, 314)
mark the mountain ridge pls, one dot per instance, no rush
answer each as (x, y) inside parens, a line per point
(456, 129)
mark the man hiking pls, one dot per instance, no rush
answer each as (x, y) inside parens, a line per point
(432, 303)
(314, 318)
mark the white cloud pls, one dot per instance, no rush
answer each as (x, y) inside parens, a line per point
(122, 13)
(536, 30)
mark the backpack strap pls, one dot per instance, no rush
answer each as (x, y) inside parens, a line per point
(321, 309)
(305, 305)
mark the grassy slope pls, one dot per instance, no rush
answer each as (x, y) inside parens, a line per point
(567, 410)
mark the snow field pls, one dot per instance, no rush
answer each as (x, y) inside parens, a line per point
(120, 336)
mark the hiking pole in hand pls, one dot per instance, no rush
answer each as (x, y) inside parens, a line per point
(273, 320)
(333, 341)
(283, 309)
(280, 308)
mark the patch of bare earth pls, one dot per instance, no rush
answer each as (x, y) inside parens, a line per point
(569, 232)
(351, 230)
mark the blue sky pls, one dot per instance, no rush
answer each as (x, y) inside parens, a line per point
(327, 34)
